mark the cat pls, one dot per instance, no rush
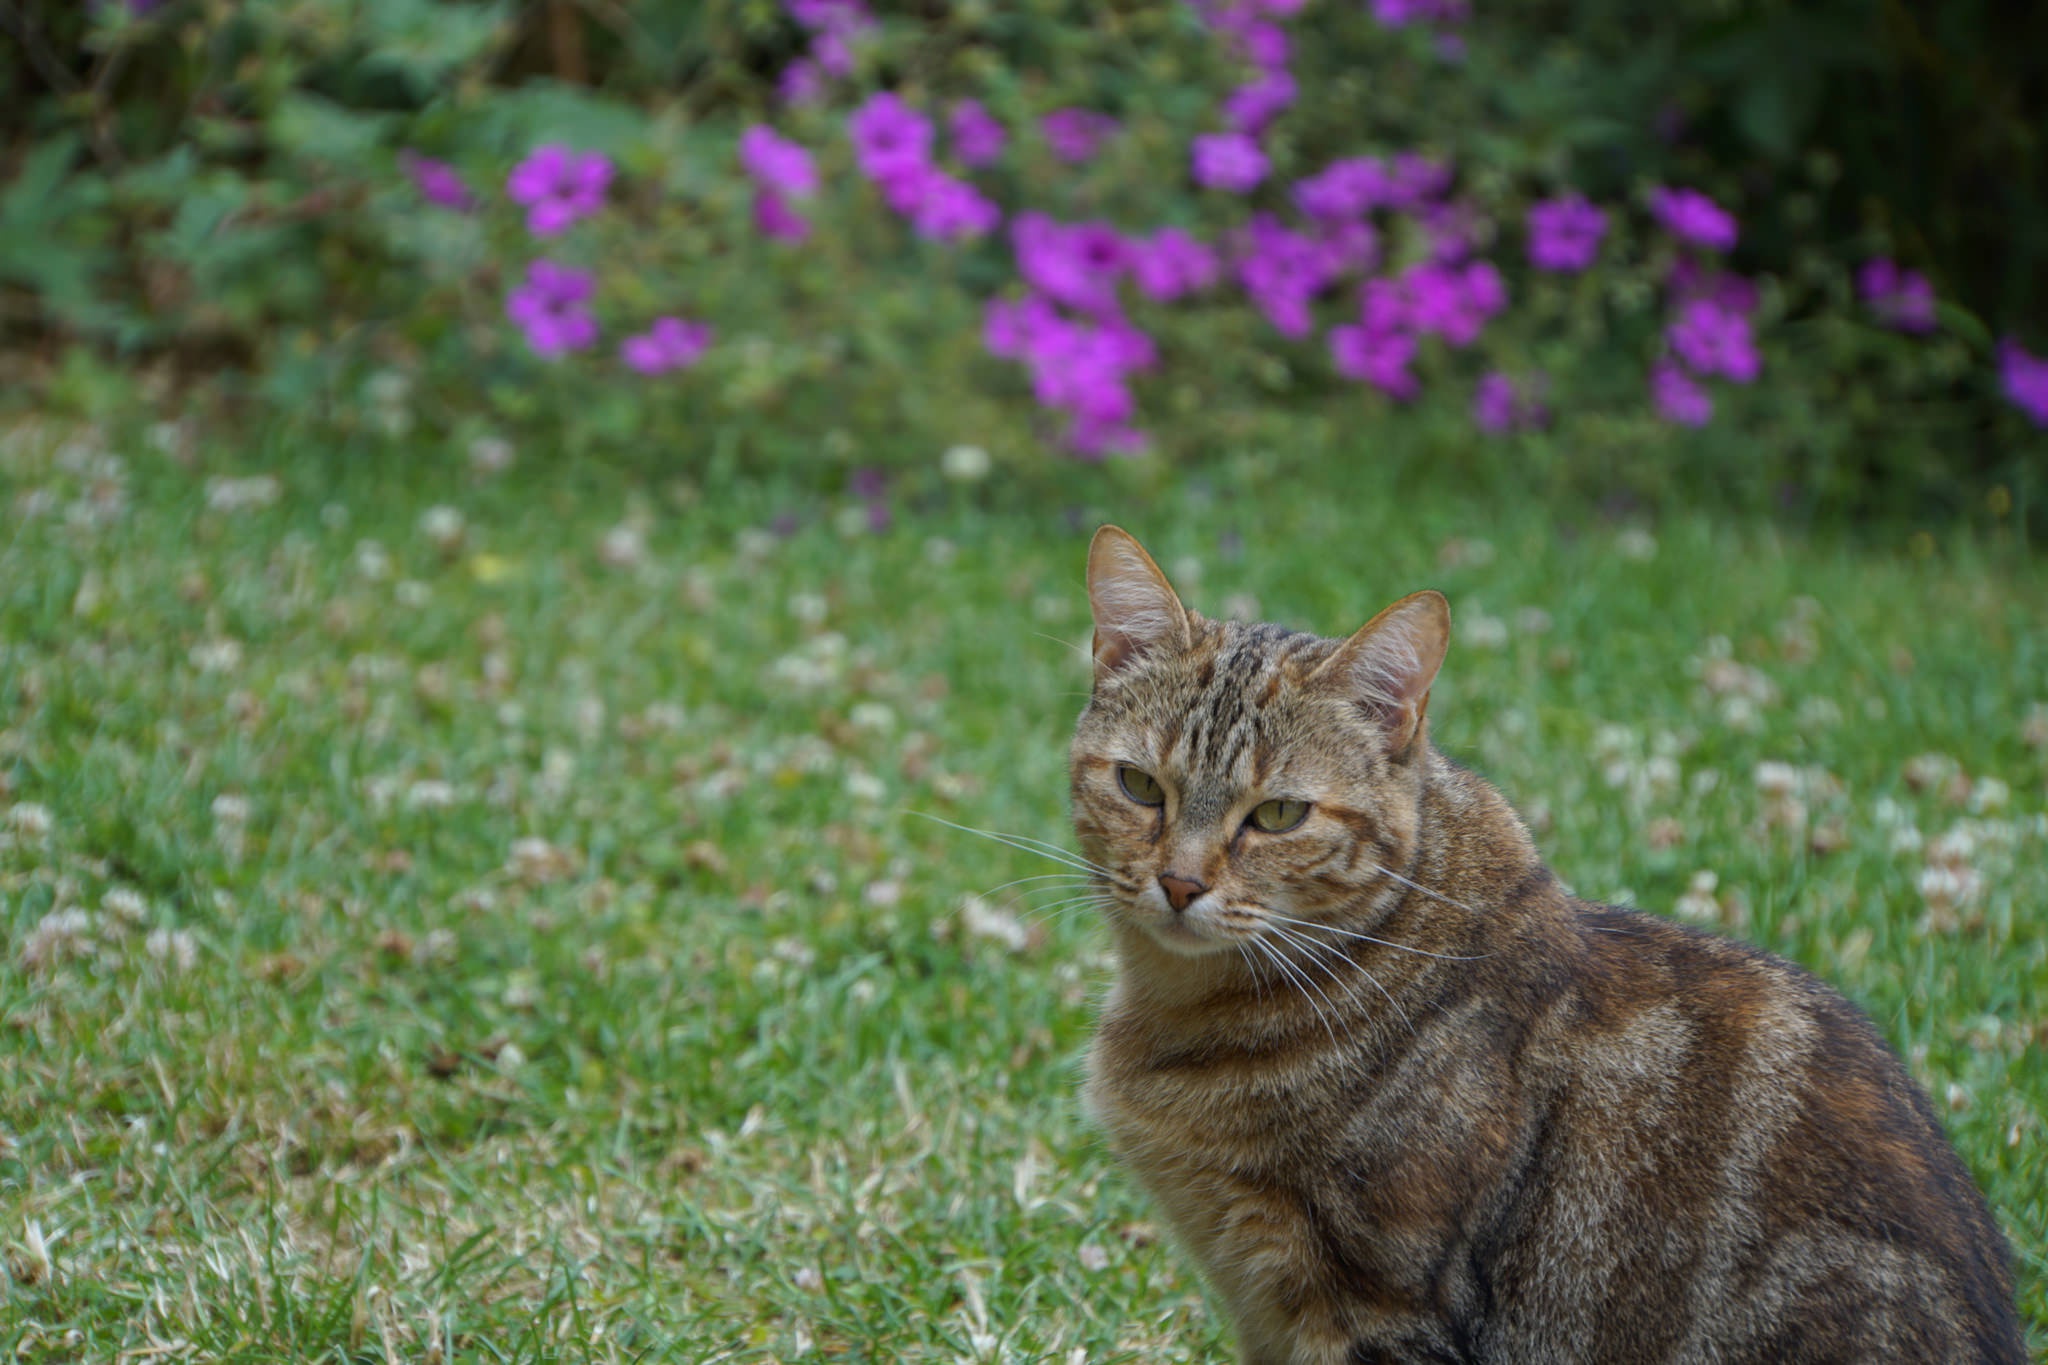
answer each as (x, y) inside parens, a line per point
(1403, 1098)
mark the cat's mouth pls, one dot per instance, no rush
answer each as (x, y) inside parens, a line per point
(1207, 926)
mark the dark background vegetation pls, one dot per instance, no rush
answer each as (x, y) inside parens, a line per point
(208, 189)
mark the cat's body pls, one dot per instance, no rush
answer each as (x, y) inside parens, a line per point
(1404, 1099)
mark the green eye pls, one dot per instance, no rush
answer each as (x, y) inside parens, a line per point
(1142, 788)
(1277, 817)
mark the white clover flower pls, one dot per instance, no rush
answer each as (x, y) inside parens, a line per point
(372, 560)
(1635, 543)
(217, 656)
(124, 905)
(965, 464)
(1480, 631)
(1775, 779)
(872, 715)
(1989, 794)
(623, 547)
(1241, 606)
(809, 607)
(174, 947)
(241, 495)
(56, 936)
(862, 785)
(1532, 621)
(230, 809)
(490, 454)
(430, 794)
(30, 820)
(1698, 902)
(984, 921)
(444, 526)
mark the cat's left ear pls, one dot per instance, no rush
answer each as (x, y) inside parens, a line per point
(1136, 609)
(1388, 666)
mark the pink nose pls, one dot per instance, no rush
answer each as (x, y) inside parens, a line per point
(1179, 890)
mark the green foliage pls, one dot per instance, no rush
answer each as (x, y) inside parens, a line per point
(221, 185)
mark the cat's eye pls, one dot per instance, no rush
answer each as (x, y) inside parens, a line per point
(1277, 817)
(1141, 787)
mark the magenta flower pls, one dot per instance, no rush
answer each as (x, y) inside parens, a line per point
(559, 186)
(1454, 301)
(670, 344)
(1076, 134)
(802, 82)
(437, 182)
(1009, 326)
(1075, 264)
(553, 308)
(1692, 217)
(1677, 397)
(1262, 44)
(1171, 264)
(1250, 107)
(1414, 180)
(889, 137)
(1283, 271)
(2025, 379)
(1378, 358)
(776, 163)
(1565, 234)
(1401, 13)
(776, 220)
(1228, 161)
(1345, 189)
(949, 210)
(1712, 338)
(823, 15)
(978, 139)
(1689, 281)
(1902, 299)
(1499, 405)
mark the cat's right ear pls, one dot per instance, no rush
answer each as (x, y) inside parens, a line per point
(1136, 609)
(1388, 666)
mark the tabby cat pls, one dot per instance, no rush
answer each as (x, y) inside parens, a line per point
(1403, 1098)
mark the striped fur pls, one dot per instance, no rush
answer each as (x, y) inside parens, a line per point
(1404, 1099)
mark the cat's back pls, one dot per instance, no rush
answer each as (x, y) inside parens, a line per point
(1734, 1132)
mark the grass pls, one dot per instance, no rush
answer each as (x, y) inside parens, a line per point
(509, 940)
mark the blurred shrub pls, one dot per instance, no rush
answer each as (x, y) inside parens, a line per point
(317, 195)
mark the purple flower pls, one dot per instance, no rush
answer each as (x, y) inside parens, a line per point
(978, 139)
(1677, 398)
(889, 137)
(1454, 301)
(1010, 327)
(949, 210)
(1689, 281)
(1262, 44)
(1075, 134)
(1347, 246)
(559, 186)
(437, 182)
(1415, 180)
(1074, 264)
(822, 15)
(1228, 161)
(777, 163)
(1499, 405)
(1378, 358)
(1345, 189)
(1077, 367)
(1401, 13)
(802, 82)
(1250, 107)
(553, 308)
(670, 344)
(1283, 271)
(1902, 299)
(1172, 264)
(1565, 234)
(1712, 338)
(775, 219)
(2025, 379)
(1692, 217)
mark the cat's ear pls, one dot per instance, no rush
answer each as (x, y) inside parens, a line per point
(1388, 666)
(1135, 607)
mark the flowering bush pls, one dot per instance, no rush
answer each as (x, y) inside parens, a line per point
(883, 231)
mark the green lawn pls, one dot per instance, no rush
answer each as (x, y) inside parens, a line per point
(507, 933)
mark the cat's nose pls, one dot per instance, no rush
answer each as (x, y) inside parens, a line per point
(1180, 892)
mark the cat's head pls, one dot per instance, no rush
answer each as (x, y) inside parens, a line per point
(1244, 780)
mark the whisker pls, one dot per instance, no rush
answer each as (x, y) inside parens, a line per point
(1306, 942)
(1383, 942)
(1076, 878)
(1305, 982)
(1418, 886)
(1024, 844)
